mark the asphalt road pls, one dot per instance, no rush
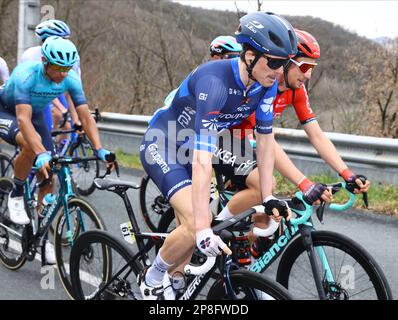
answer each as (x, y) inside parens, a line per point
(378, 234)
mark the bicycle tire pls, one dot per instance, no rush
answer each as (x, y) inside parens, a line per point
(6, 165)
(349, 247)
(253, 283)
(84, 246)
(9, 246)
(79, 170)
(152, 203)
(61, 250)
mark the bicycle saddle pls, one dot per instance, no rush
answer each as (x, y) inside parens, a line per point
(107, 184)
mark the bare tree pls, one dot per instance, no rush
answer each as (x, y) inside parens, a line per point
(380, 88)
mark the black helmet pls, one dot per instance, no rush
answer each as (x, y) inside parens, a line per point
(268, 33)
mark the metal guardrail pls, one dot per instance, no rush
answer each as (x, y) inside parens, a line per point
(375, 157)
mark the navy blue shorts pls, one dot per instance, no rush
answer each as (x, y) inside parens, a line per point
(9, 128)
(164, 168)
(170, 165)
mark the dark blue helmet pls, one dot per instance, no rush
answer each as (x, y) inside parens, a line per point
(268, 33)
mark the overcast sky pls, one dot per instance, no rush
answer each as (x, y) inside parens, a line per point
(371, 19)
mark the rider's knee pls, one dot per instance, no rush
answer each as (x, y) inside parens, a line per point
(24, 147)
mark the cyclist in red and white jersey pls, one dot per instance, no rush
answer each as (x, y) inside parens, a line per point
(291, 91)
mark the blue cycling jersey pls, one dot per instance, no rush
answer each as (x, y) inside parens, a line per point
(28, 85)
(213, 98)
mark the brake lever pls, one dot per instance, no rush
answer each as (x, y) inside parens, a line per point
(117, 169)
(365, 199)
(320, 211)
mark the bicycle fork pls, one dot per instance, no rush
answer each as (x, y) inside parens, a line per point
(309, 247)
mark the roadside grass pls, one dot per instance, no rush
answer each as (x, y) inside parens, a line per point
(383, 198)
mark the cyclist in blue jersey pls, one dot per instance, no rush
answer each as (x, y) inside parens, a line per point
(177, 148)
(31, 87)
(59, 108)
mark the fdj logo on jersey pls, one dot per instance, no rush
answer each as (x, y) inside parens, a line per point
(267, 105)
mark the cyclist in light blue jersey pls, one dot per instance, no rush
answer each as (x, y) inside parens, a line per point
(58, 109)
(215, 96)
(31, 87)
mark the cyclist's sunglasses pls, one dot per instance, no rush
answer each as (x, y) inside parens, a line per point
(60, 68)
(274, 63)
(304, 66)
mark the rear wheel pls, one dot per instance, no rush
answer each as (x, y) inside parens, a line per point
(100, 261)
(152, 203)
(6, 165)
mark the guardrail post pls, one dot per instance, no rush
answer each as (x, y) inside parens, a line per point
(29, 17)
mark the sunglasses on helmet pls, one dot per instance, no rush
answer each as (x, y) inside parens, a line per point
(60, 68)
(304, 66)
(274, 63)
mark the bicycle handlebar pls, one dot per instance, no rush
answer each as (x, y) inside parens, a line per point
(198, 270)
(58, 132)
(306, 213)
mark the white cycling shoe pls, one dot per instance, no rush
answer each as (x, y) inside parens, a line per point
(148, 292)
(16, 208)
(49, 253)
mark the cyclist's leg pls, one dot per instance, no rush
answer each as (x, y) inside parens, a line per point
(41, 127)
(10, 133)
(242, 172)
(174, 181)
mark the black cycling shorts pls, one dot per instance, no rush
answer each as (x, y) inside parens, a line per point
(234, 159)
(9, 128)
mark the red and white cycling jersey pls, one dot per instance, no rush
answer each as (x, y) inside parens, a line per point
(301, 104)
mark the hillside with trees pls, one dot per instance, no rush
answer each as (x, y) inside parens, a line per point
(133, 52)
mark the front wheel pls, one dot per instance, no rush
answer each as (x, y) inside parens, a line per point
(102, 268)
(82, 217)
(248, 285)
(84, 173)
(347, 270)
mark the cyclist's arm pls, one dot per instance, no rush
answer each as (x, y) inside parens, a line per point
(286, 167)
(72, 109)
(30, 135)
(265, 141)
(56, 103)
(89, 125)
(324, 146)
(201, 179)
(265, 162)
(211, 95)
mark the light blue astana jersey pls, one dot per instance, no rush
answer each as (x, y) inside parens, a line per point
(28, 85)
